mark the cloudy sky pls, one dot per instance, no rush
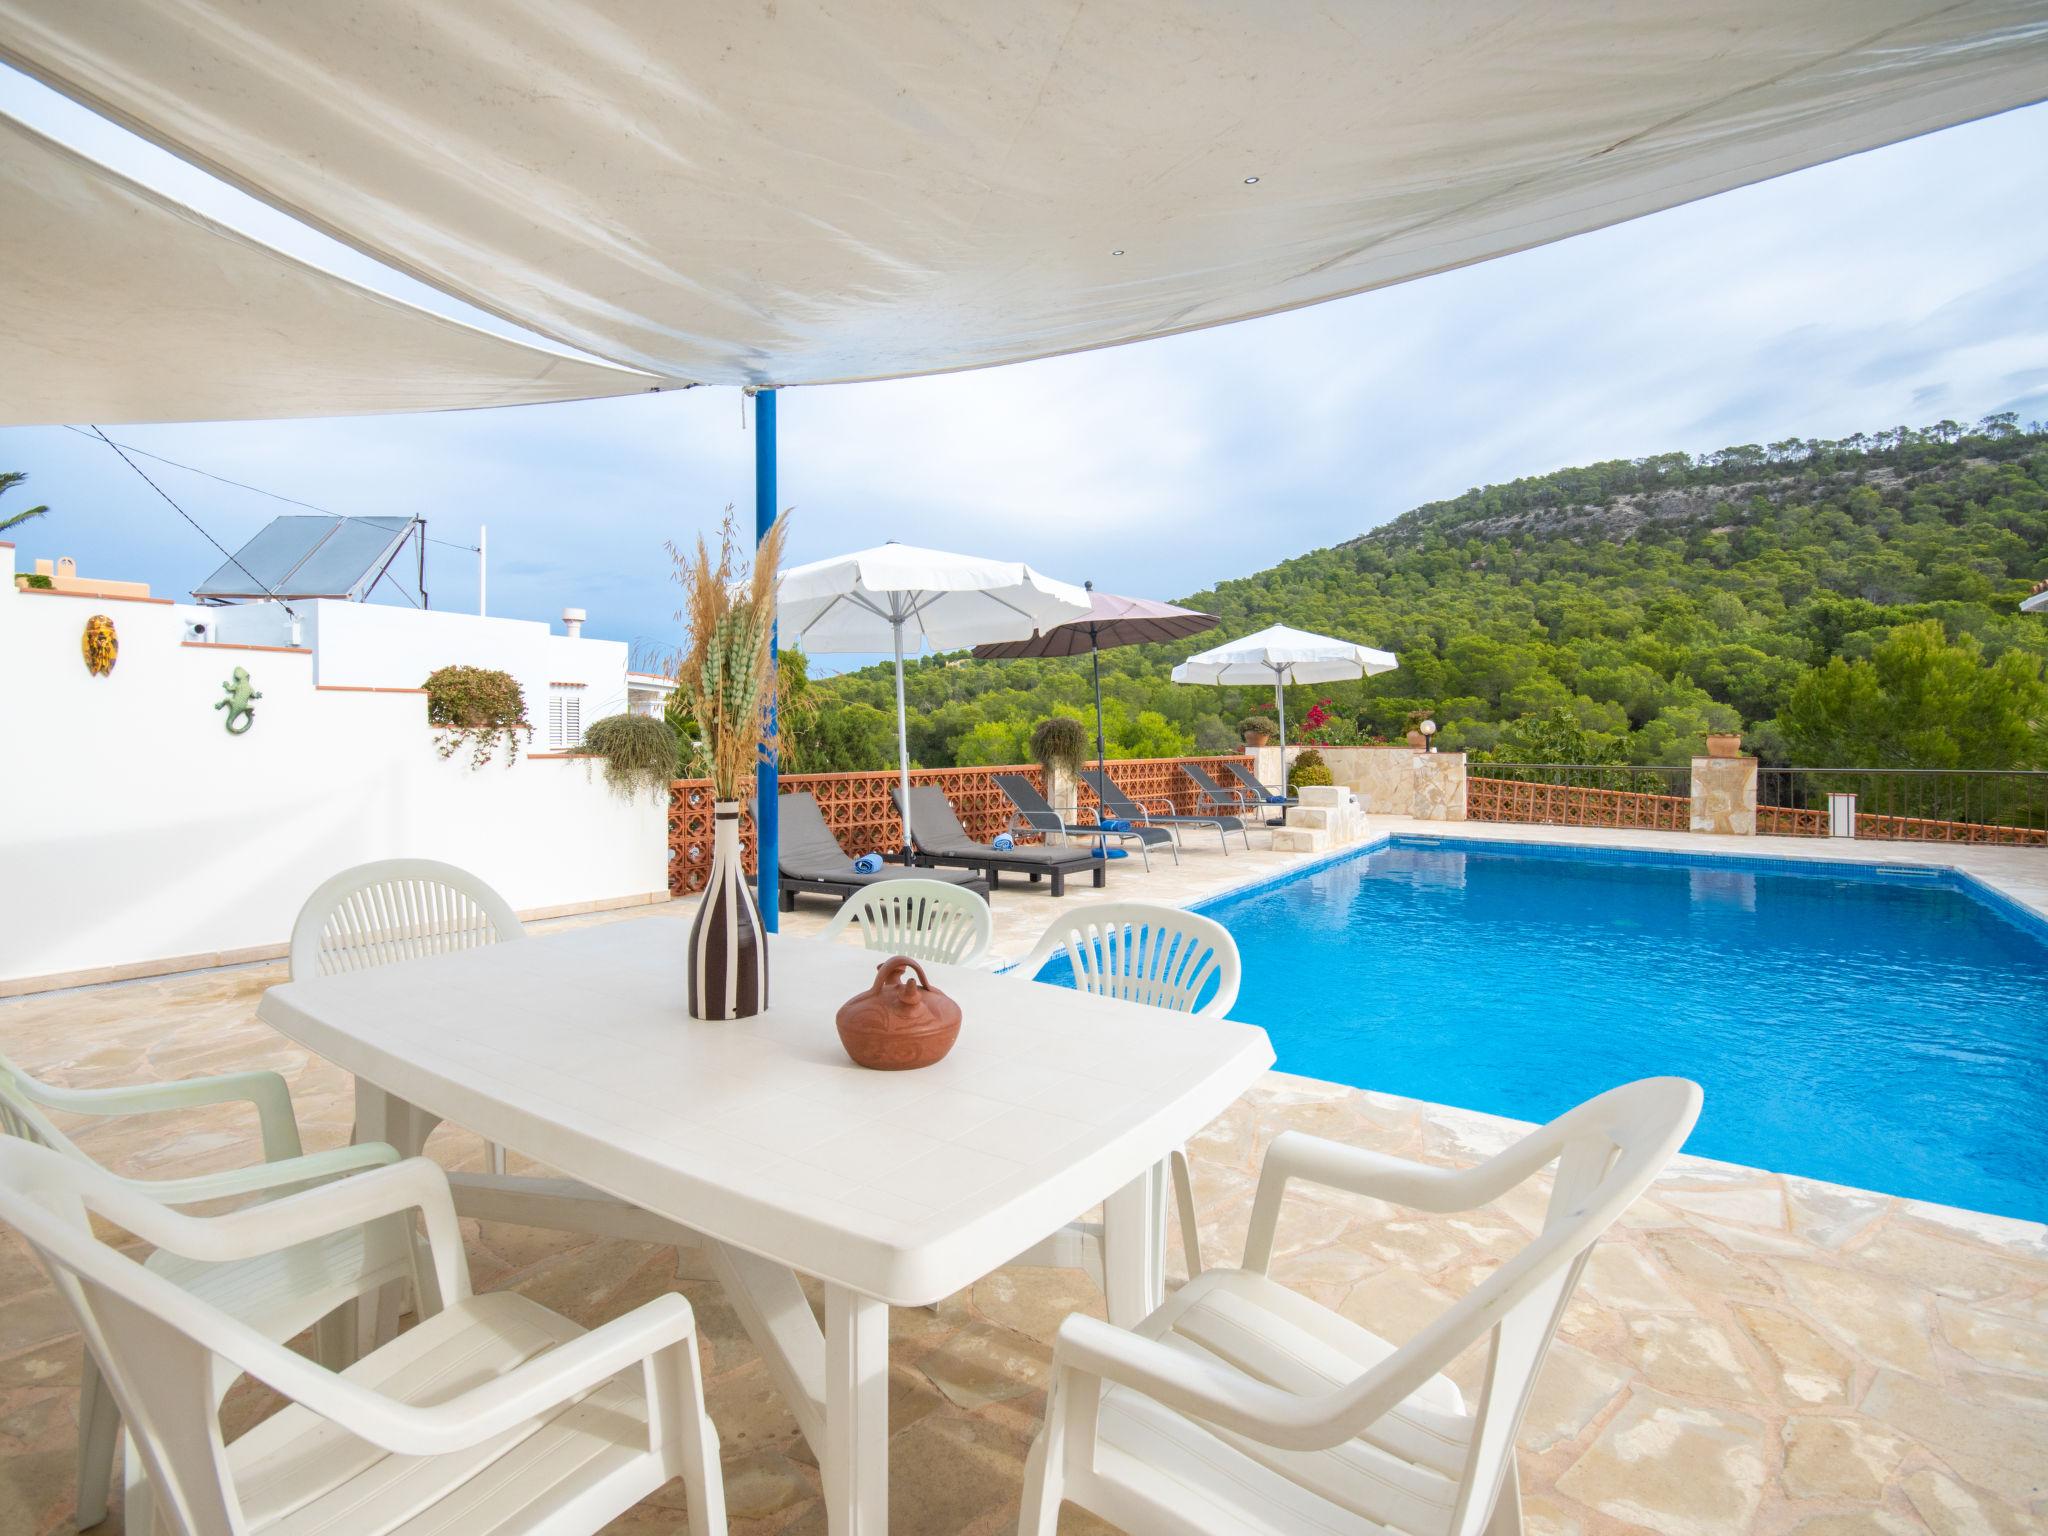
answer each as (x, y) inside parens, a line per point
(1901, 286)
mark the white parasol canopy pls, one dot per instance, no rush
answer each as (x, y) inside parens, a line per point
(899, 594)
(809, 192)
(1281, 655)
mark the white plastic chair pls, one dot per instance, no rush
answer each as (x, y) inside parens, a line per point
(494, 1415)
(928, 920)
(278, 1295)
(399, 909)
(1142, 953)
(1242, 1406)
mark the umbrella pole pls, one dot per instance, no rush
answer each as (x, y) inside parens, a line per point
(1095, 652)
(902, 737)
(1280, 713)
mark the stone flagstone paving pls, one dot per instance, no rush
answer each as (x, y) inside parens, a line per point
(1748, 1353)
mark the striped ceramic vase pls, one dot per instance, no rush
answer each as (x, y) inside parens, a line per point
(728, 948)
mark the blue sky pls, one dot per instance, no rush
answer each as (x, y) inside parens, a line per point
(1900, 286)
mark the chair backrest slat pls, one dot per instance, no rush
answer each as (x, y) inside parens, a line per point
(396, 909)
(930, 920)
(1144, 953)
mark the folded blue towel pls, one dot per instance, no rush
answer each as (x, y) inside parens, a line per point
(1276, 799)
(868, 864)
(1114, 824)
(1003, 842)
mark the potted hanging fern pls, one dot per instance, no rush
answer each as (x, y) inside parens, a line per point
(727, 674)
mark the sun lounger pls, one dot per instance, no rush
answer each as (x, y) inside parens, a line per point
(1231, 798)
(1242, 772)
(938, 839)
(1114, 802)
(810, 859)
(1034, 812)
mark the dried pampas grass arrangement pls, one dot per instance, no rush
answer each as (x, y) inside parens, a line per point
(729, 611)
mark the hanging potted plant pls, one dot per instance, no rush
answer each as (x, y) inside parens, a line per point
(726, 672)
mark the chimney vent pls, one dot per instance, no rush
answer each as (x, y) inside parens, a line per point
(572, 622)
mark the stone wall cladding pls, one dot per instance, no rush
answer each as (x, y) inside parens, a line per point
(1724, 795)
(1438, 788)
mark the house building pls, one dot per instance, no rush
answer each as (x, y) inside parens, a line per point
(139, 834)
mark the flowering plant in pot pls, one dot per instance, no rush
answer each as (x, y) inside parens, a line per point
(1257, 730)
(726, 671)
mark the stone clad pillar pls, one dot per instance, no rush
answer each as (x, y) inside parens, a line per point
(1267, 765)
(1439, 786)
(1724, 795)
(1063, 794)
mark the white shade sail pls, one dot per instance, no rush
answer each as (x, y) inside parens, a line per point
(807, 192)
(1284, 655)
(861, 601)
(119, 305)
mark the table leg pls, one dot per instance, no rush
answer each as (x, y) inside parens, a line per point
(385, 1117)
(1134, 1248)
(382, 1116)
(856, 1459)
(778, 1318)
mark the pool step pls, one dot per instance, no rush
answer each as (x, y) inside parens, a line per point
(1329, 816)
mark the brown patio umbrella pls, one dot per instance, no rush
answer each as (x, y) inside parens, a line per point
(1114, 621)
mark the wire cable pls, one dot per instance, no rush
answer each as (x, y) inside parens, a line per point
(240, 485)
(216, 543)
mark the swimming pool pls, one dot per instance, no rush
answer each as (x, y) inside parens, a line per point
(1884, 1030)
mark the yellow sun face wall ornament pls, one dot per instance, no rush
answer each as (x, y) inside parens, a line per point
(99, 645)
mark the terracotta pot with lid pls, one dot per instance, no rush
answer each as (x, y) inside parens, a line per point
(900, 1023)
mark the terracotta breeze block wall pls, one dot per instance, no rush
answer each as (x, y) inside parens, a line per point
(861, 815)
(1564, 806)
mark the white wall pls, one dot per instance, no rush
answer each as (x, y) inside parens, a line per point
(133, 828)
(383, 645)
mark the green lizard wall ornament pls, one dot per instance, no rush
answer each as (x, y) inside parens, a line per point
(240, 702)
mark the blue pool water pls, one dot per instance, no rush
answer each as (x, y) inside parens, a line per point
(1880, 1030)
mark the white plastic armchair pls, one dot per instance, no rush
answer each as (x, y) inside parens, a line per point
(1142, 953)
(277, 1297)
(399, 909)
(396, 909)
(928, 920)
(1242, 1406)
(495, 1414)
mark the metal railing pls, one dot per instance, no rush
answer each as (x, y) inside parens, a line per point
(1942, 805)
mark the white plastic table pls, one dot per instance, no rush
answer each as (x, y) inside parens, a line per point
(891, 1188)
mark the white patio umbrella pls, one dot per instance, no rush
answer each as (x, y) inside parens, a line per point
(873, 599)
(1280, 655)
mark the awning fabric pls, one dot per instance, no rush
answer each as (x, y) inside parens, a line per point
(118, 305)
(813, 191)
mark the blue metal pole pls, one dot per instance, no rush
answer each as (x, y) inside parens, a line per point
(767, 827)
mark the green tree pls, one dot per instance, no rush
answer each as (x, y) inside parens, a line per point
(1646, 600)
(1920, 701)
(9, 479)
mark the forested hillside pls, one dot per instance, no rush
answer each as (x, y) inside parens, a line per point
(1850, 601)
